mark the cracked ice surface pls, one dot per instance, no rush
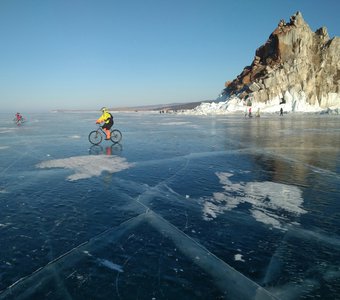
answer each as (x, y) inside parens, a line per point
(187, 205)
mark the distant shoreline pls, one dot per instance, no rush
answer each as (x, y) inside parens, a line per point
(157, 107)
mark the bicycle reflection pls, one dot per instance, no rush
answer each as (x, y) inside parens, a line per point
(114, 149)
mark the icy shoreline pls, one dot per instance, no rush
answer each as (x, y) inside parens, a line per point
(296, 103)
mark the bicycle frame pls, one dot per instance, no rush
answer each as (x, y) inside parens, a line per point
(96, 136)
(100, 129)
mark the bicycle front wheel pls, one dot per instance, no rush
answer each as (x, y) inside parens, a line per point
(116, 136)
(95, 137)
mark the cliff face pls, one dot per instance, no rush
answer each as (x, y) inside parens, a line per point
(293, 61)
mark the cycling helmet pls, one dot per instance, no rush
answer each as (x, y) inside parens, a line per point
(103, 109)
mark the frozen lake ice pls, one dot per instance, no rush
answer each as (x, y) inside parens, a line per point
(189, 207)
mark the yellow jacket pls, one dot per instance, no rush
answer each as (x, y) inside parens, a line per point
(105, 117)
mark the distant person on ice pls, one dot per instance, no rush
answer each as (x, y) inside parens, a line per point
(281, 111)
(107, 119)
(18, 117)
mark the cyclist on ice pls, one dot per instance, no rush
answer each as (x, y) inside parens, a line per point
(18, 117)
(107, 119)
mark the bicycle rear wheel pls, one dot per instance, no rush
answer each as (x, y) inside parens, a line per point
(116, 136)
(95, 137)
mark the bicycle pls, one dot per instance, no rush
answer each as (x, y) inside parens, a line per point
(96, 136)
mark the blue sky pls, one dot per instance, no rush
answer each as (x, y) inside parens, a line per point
(85, 54)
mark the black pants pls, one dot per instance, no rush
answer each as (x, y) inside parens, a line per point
(108, 125)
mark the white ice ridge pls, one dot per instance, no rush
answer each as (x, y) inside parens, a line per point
(271, 203)
(231, 282)
(26, 287)
(88, 166)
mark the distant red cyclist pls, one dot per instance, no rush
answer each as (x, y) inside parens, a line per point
(18, 118)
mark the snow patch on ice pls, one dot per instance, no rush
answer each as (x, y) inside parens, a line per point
(6, 130)
(175, 123)
(3, 147)
(106, 263)
(75, 137)
(88, 166)
(110, 265)
(273, 204)
(238, 257)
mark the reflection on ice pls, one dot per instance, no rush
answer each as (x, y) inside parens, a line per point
(272, 203)
(88, 166)
(114, 149)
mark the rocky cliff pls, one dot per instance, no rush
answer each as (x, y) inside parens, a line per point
(294, 63)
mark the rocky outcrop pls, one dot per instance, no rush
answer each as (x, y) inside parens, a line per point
(294, 62)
